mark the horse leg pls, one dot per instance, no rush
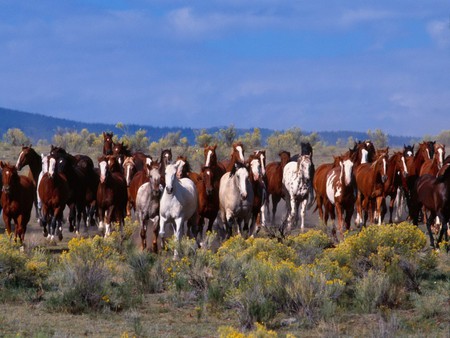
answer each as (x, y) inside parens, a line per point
(179, 225)
(155, 225)
(444, 230)
(430, 232)
(144, 224)
(275, 200)
(108, 217)
(379, 201)
(364, 208)
(72, 216)
(7, 222)
(340, 221)
(359, 218)
(303, 212)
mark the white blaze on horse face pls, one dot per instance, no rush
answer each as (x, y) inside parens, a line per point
(405, 168)
(348, 165)
(364, 156)
(18, 160)
(384, 167)
(102, 166)
(409, 153)
(208, 158)
(44, 163)
(51, 166)
(441, 157)
(255, 167)
(263, 167)
(242, 176)
(241, 153)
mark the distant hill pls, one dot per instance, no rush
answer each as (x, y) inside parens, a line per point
(41, 127)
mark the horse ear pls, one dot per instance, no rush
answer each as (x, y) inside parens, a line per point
(215, 146)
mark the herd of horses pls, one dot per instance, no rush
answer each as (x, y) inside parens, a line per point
(233, 193)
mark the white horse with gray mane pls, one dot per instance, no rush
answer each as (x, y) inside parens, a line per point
(147, 206)
(297, 189)
(236, 199)
(178, 203)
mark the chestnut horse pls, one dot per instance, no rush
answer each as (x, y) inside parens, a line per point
(129, 170)
(434, 194)
(120, 150)
(237, 155)
(29, 156)
(274, 174)
(18, 194)
(370, 179)
(431, 166)
(111, 194)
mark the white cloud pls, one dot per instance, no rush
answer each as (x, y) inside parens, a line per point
(439, 31)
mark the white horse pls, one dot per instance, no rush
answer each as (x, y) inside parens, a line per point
(235, 199)
(178, 203)
(147, 207)
(297, 189)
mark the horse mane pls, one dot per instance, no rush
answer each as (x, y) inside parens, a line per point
(306, 149)
(236, 167)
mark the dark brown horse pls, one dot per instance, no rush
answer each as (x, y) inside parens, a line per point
(111, 194)
(121, 150)
(17, 199)
(274, 174)
(29, 156)
(107, 143)
(54, 193)
(370, 179)
(434, 194)
(257, 180)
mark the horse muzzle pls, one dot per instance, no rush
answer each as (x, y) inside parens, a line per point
(6, 189)
(243, 196)
(169, 190)
(383, 178)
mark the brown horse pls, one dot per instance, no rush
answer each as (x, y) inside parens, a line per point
(54, 193)
(340, 191)
(370, 179)
(111, 194)
(29, 156)
(324, 206)
(397, 172)
(18, 194)
(431, 166)
(129, 170)
(120, 150)
(434, 194)
(107, 143)
(274, 174)
(237, 155)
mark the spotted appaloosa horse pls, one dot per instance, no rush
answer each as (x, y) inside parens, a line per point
(29, 156)
(17, 200)
(297, 182)
(111, 194)
(370, 179)
(274, 174)
(107, 143)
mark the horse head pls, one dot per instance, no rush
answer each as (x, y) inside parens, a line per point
(408, 150)
(154, 177)
(129, 168)
(398, 161)
(238, 152)
(107, 143)
(439, 152)
(9, 176)
(306, 149)
(346, 164)
(208, 178)
(24, 157)
(261, 155)
(183, 166)
(380, 165)
(103, 165)
(241, 178)
(166, 157)
(255, 167)
(210, 155)
(170, 176)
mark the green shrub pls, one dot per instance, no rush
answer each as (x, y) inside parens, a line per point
(147, 272)
(308, 245)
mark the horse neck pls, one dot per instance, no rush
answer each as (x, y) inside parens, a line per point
(35, 165)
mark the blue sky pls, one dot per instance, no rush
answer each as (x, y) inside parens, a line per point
(316, 65)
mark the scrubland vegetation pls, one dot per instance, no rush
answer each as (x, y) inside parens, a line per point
(382, 281)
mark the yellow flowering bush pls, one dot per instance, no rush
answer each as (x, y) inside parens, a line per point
(308, 245)
(260, 332)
